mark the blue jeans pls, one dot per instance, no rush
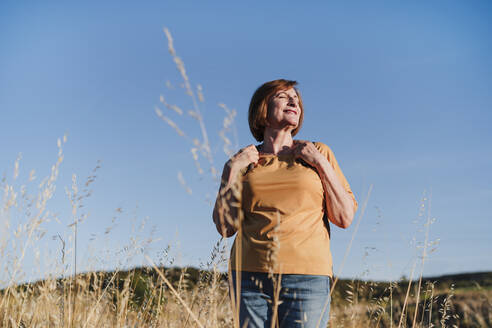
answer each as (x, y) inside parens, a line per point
(303, 300)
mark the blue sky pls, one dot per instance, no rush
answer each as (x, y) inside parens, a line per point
(399, 91)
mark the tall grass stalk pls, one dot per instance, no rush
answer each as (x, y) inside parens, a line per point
(175, 293)
(349, 246)
(424, 255)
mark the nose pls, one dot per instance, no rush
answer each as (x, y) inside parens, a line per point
(292, 101)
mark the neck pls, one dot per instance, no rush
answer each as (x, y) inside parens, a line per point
(277, 141)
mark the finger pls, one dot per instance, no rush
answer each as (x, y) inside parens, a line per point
(253, 159)
(300, 147)
(297, 152)
(246, 148)
(252, 149)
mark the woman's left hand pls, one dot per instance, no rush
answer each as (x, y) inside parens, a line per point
(308, 152)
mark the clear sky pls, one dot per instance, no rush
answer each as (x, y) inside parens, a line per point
(401, 92)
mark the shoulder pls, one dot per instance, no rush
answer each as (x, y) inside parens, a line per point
(323, 148)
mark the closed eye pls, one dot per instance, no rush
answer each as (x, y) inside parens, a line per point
(284, 95)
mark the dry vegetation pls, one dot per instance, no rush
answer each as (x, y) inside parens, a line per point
(161, 295)
(187, 297)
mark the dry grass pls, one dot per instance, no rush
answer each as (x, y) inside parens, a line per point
(162, 296)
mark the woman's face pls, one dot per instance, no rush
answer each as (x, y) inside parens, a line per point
(284, 110)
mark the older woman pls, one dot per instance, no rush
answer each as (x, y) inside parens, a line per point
(278, 197)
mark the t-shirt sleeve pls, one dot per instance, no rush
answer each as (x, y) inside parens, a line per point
(328, 153)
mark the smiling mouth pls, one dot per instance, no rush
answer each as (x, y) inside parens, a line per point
(290, 111)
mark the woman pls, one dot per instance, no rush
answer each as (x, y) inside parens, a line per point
(279, 197)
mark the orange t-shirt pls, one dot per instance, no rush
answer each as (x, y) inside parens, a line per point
(284, 227)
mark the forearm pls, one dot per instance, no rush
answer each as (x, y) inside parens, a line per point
(226, 209)
(339, 203)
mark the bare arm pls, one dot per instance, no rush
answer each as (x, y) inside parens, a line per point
(227, 209)
(340, 204)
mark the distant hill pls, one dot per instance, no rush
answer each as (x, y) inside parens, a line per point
(472, 280)
(464, 280)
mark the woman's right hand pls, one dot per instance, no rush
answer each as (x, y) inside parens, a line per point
(244, 157)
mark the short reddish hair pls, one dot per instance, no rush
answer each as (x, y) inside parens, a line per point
(258, 107)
